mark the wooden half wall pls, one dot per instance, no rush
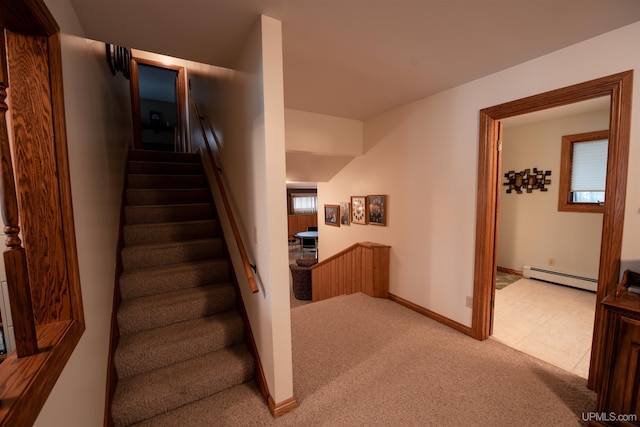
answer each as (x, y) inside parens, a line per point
(362, 267)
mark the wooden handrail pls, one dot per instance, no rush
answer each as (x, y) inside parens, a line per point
(248, 268)
(15, 260)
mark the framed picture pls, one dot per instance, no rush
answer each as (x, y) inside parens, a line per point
(345, 213)
(359, 210)
(377, 210)
(332, 215)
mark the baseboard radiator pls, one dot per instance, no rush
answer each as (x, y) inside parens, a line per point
(560, 278)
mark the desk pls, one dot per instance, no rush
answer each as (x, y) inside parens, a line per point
(309, 235)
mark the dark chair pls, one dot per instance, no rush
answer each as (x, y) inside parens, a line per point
(312, 228)
(301, 278)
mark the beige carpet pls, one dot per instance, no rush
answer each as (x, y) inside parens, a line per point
(360, 361)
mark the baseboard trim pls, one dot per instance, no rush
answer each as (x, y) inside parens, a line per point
(279, 409)
(509, 271)
(432, 315)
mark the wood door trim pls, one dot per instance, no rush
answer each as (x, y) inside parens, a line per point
(135, 100)
(619, 88)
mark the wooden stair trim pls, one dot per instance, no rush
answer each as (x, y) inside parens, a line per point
(281, 408)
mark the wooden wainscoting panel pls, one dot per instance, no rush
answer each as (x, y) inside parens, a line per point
(363, 267)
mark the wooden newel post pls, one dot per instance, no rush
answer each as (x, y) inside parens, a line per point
(15, 260)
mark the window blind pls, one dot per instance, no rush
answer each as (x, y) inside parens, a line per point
(589, 166)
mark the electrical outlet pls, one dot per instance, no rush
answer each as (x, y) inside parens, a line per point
(469, 302)
(552, 261)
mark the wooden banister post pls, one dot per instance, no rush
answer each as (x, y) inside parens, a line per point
(15, 260)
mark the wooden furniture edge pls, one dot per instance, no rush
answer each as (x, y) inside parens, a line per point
(282, 408)
(431, 314)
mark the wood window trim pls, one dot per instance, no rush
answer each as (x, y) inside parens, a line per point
(620, 88)
(28, 381)
(566, 161)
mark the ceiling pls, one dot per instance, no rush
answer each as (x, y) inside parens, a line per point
(358, 58)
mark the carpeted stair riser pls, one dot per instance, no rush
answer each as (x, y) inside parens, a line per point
(168, 213)
(141, 234)
(224, 403)
(156, 280)
(166, 181)
(155, 348)
(153, 311)
(164, 168)
(152, 393)
(167, 197)
(155, 254)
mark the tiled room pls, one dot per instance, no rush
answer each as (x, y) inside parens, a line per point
(548, 321)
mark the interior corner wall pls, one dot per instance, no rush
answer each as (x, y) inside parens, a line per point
(322, 134)
(531, 230)
(424, 156)
(253, 155)
(98, 122)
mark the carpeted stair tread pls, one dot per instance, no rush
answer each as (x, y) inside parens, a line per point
(213, 410)
(165, 181)
(168, 213)
(160, 279)
(164, 168)
(166, 196)
(163, 156)
(159, 347)
(138, 234)
(154, 311)
(153, 254)
(156, 392)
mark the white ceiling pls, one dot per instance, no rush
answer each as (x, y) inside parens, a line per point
(358, 58)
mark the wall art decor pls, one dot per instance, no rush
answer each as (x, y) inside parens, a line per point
(359, 210)
(345, 213)
(377, 210)
(527, 180)
(332, 215)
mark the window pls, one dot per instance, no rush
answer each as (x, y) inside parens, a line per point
(302, 203)
(583, 172)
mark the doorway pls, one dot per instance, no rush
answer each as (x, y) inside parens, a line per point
(158, 106)
(548, 311)
(619, 88)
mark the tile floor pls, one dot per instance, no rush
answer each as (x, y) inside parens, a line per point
(551, 322)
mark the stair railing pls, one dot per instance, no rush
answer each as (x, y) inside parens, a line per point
(248, 267)
(15, 260)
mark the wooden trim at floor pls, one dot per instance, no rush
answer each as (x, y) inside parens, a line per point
(435, 316)
(509, 271)
(279, 409)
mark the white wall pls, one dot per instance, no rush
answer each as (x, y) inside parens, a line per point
(253, 144)
(322, 134)
(531, 230)
(98, 121)
(424, 157)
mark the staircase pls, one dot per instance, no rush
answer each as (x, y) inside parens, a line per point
(181, 338)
